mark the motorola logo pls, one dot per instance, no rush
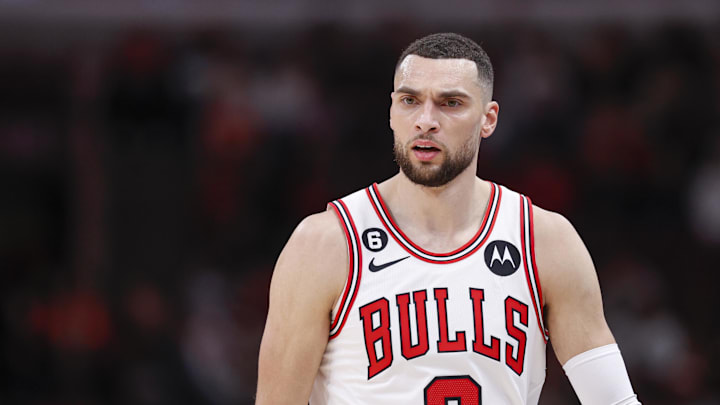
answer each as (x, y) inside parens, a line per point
(502, 258)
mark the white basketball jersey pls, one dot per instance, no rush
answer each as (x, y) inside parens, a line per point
(417, 327)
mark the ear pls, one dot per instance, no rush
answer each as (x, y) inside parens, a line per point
(492, 109)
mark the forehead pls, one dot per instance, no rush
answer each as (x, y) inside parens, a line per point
(420, 73)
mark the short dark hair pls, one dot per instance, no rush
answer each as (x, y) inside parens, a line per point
(449, 45)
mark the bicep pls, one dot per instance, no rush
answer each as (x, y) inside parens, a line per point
(302, 293)
(573, 302)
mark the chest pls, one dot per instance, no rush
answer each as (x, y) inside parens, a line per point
(410, 308)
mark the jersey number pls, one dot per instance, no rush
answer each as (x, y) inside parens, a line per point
(374, 240)
(453, 390)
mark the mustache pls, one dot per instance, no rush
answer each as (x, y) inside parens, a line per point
(425, 137)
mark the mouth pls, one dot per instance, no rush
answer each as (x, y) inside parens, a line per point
(425, 145)
(425, 148)
(425, 152)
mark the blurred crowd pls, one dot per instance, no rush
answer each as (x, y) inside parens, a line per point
(151, 177)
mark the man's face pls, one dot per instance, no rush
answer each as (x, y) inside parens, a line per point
(439, 113)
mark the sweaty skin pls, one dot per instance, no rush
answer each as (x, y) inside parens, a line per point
(442, 100)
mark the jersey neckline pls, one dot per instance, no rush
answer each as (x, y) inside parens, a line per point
(488, 222)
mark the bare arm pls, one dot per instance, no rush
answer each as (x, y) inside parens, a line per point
(573, 304)
(308, 278)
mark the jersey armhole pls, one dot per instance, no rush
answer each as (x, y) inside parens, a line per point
(527, 234)
(342, 307)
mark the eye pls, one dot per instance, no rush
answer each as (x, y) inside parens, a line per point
(407, 100)
(452, 103)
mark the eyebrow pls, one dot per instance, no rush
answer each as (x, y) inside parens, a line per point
(444, 94)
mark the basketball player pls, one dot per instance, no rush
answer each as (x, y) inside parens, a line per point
(435, 286)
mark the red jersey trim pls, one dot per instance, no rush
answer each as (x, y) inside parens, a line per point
(532, 254)
(528, 252)
(355, 267)
(477, 241)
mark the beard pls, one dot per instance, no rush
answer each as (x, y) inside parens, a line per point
(429, 174)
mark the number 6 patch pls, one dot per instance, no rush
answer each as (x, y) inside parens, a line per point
(374, 239)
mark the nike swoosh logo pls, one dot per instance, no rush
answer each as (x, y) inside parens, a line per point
(379, 267)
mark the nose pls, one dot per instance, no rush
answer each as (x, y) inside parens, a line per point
(427, 119)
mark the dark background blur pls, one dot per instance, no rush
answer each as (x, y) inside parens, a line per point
(155, 156)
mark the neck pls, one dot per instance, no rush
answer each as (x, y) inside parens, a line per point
(442, 216)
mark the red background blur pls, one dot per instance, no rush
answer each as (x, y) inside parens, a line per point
(155, 156)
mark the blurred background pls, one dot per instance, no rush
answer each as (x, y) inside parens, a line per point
(156, 155)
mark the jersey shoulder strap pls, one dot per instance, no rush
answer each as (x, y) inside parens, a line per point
(352, 284)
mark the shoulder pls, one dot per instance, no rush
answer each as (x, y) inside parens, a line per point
(315, 257)
(319, 231)
(551, 228)
(562, 259)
